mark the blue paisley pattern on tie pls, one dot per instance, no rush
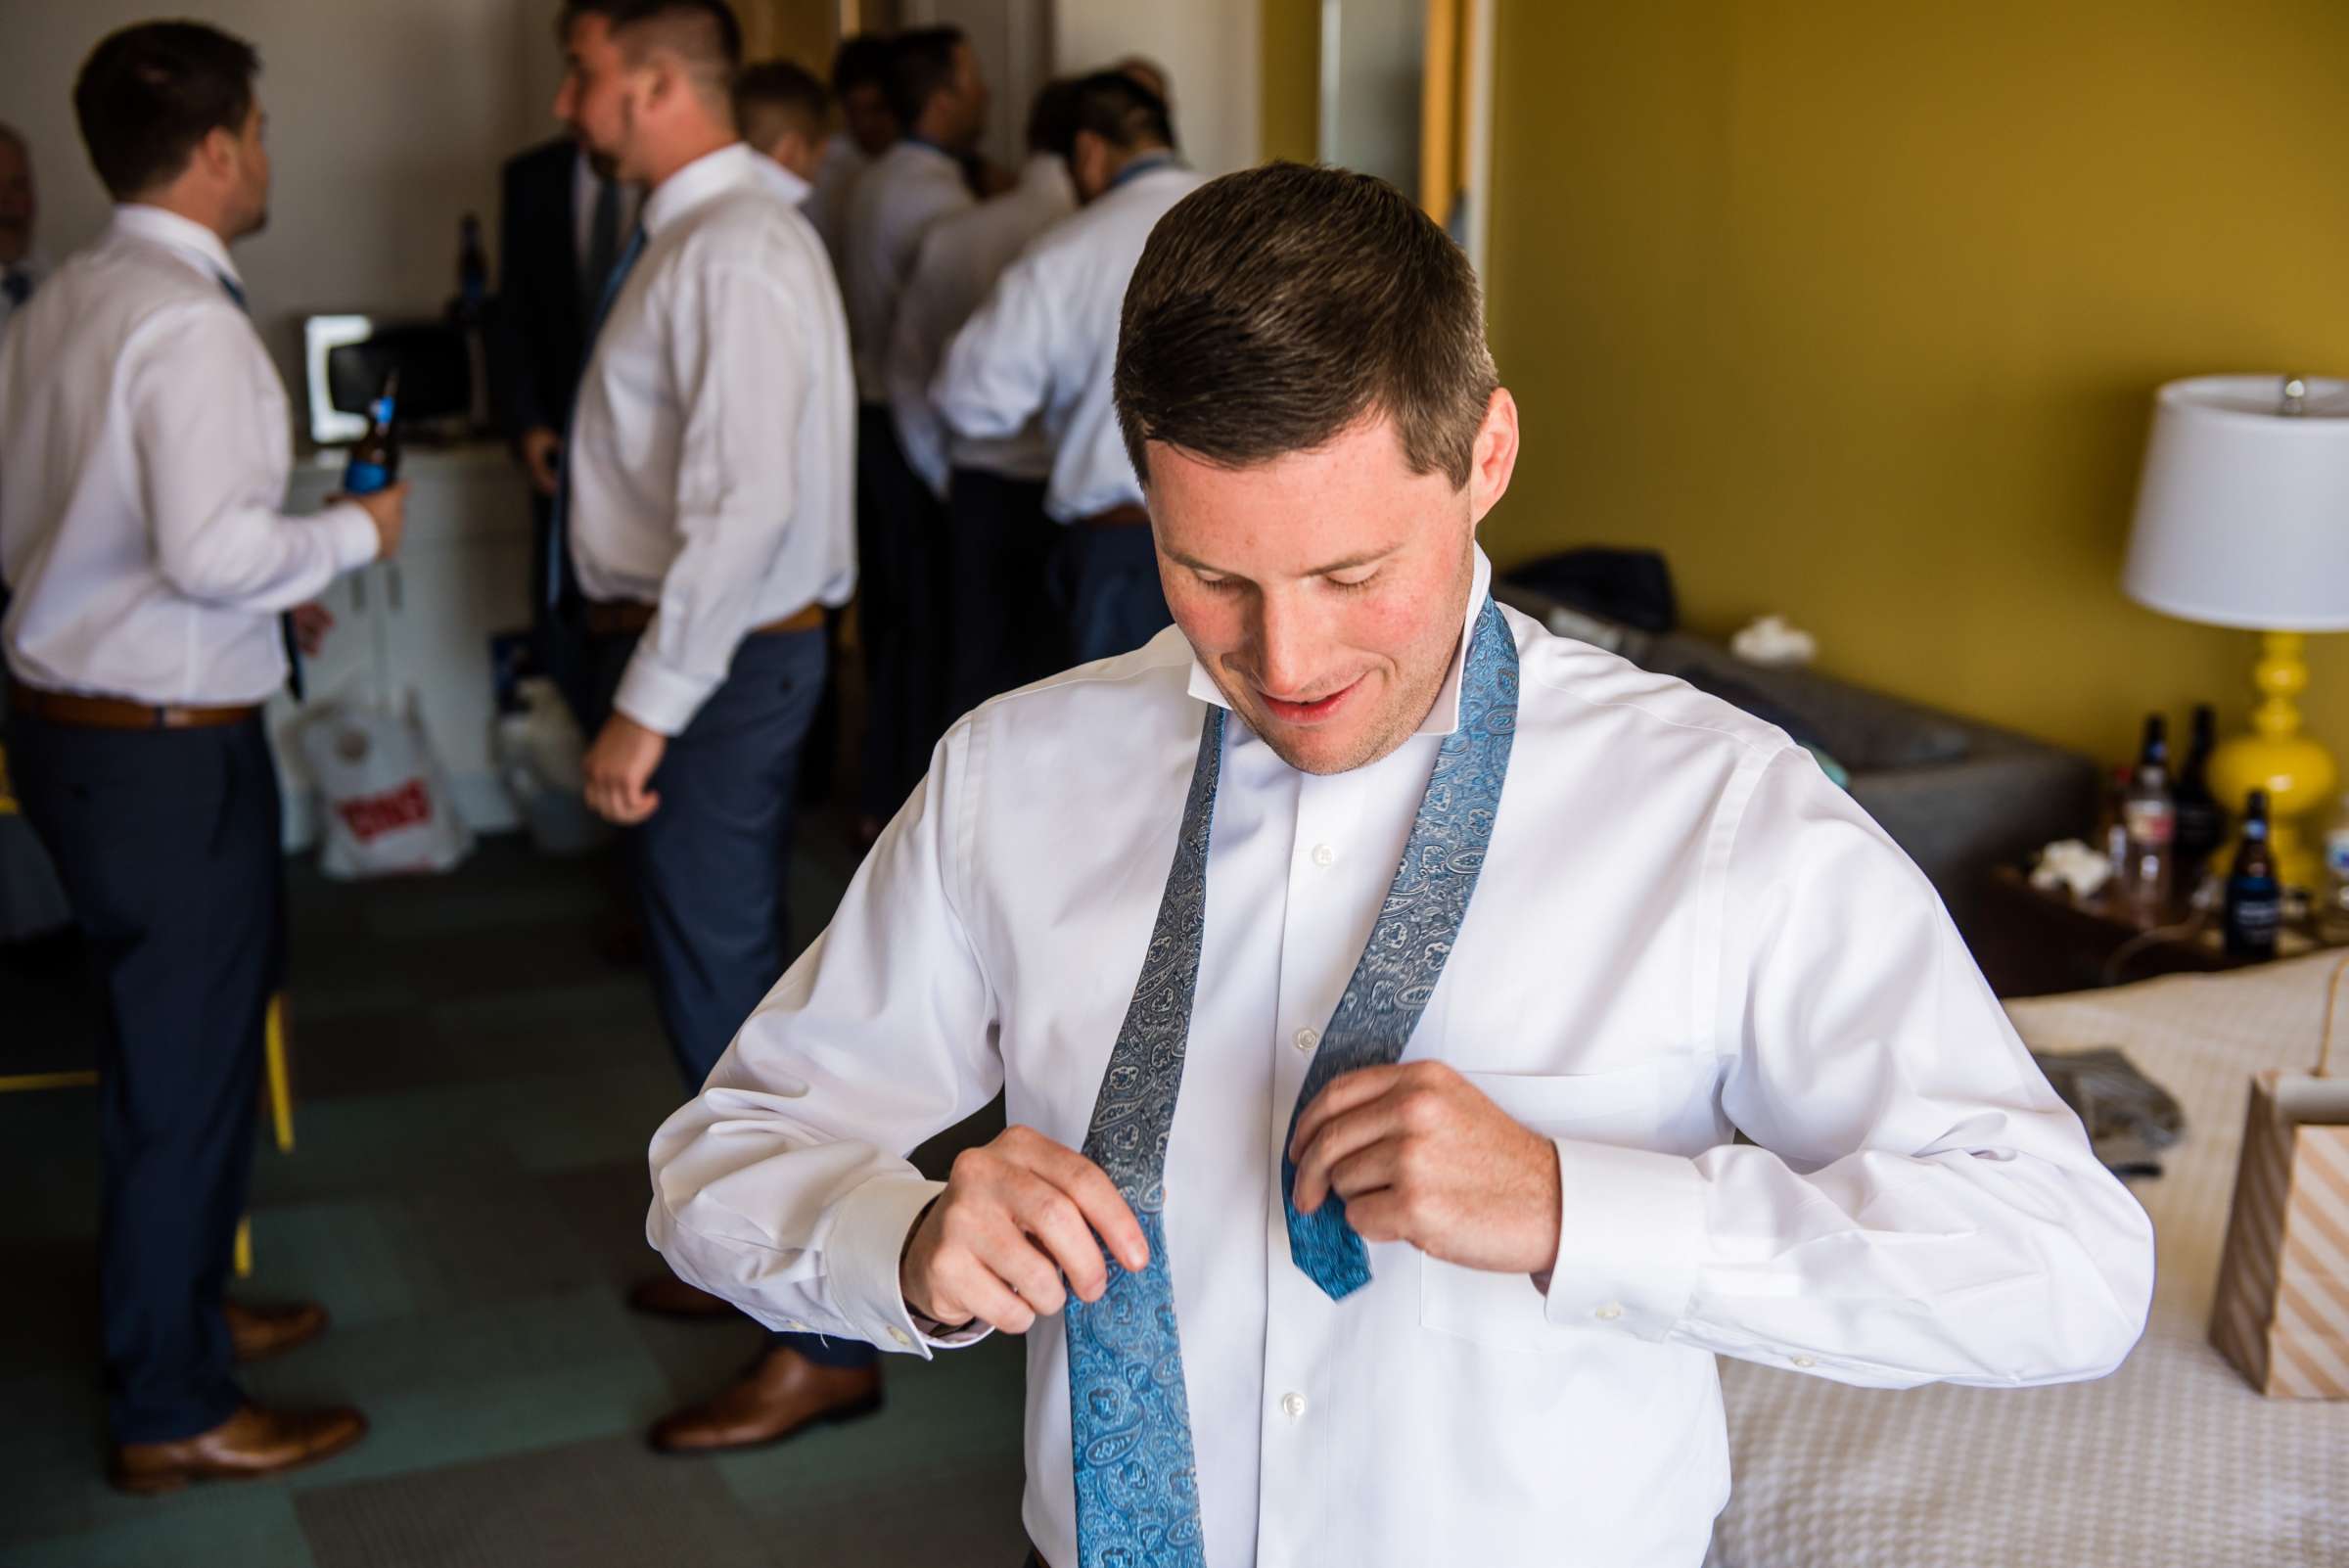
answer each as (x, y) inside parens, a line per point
(1138, 1497)
(1130, 1423)
(1417, 928)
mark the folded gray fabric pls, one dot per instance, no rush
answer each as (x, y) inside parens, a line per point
(2130, 1118)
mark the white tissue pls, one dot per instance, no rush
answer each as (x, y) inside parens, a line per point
(1771, 640)
(2070, 863)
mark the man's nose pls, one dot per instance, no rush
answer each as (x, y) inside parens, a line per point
(1287, 649)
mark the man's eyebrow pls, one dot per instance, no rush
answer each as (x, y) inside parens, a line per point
(1360, 559)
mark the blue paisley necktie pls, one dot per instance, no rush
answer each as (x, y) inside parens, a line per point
(1138, 1495)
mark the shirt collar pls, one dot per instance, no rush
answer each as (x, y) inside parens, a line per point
(1444, 716)
(1148, 164)
(191, 239)
(711, 174)
(795, 189)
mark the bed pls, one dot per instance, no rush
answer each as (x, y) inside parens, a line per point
(2170, 1462)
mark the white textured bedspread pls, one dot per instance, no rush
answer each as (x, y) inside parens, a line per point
(2171, 1462)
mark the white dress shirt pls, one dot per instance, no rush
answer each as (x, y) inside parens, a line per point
(960, 261)
(827, 206)
(896, 199)
(143, 447)
(1046, 341)
(1682, 930)
(711, 452)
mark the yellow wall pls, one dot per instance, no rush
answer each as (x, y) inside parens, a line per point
(1290, 36)
(1854, 309)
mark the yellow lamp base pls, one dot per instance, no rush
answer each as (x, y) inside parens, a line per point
(2296, 773)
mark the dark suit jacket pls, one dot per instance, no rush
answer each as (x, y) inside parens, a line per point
(538, 338)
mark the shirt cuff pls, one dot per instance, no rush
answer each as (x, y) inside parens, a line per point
(862, 1254)
(1632, 1238)
(351, 533)
(661, 699)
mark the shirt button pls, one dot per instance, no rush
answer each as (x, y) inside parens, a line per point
(1307, 1039)
(795, 1325)
(901, 1336)
(1803, 1360)
(1292, 1406)
(1324, 857)
(1609, 1312)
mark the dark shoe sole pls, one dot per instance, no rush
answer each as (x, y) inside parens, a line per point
(838, 1416)
(162, 1482)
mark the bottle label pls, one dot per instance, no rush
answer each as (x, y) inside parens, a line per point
(2150, 822)
(2336, 854)
(364, 479)
(2254, 913)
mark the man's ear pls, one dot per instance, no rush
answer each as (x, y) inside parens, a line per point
(1495, 457)
(218, 152)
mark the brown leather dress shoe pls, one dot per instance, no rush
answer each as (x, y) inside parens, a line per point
(668, 1296)
(252, 1443)
(259, 1332)
(782, 1394)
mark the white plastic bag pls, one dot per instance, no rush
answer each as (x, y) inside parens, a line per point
(540, 757)
(388, 807)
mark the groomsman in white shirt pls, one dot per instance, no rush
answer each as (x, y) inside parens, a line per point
(20, 269)
(143, 447)
(1004, 630)
(1407, 1104)
(708, 512)
(941, 102)
(1045, 343)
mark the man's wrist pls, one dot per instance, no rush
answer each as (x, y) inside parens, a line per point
(930, 1321)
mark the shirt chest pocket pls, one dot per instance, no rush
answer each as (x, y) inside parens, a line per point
(1626, 1106)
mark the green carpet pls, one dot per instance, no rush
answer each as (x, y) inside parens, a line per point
(475, 1089)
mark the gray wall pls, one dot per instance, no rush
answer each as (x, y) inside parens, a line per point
(388, 119)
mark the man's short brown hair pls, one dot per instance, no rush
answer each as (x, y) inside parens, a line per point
(1273, 308)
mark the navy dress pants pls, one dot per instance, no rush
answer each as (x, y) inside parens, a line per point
(902, 581)
(710, 867)
(1007, 630)
(166, 842)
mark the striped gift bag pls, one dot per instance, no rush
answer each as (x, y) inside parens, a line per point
(2282, 1315)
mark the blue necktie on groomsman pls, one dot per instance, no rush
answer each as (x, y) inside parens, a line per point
(559, 545)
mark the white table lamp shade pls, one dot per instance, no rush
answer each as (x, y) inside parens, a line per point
(2242, 513)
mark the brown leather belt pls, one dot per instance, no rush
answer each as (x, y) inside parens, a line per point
(1117, 517)
(115, 712)
(624, 617)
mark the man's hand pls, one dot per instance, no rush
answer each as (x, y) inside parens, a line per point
(542, 457)
(619, 764)
(1420, 1155)
(312, 623)
(388, 509)
(1018, 1215)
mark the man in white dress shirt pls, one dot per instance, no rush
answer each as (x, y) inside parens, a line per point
(20, 269)
(144, 446)
(941, 102)
(1044, 346)
(708, 519)
(1003, 627)
(1680, 930)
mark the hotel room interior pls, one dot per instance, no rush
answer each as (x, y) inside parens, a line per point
(1990, 348)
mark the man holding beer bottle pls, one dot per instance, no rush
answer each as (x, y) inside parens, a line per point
(142, 461)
